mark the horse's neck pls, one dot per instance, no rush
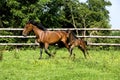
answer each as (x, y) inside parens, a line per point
(36, 30)
(72, 37)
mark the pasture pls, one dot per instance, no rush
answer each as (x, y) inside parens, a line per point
(24, 65)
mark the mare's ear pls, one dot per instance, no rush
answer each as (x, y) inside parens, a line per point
(66, 31)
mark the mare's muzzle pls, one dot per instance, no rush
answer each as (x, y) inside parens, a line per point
(25, 35)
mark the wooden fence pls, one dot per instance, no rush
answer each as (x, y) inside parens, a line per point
(79, 29)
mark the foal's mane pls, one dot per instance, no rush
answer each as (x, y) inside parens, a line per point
(39, 25)
(73, 35)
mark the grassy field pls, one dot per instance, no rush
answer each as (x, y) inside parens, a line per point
(24, 65)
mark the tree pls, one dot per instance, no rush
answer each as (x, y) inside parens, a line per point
(56, 13)
(15, 13)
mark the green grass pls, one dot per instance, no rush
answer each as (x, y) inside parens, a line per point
(24, 65)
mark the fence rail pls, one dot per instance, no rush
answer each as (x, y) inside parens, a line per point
(7, 36)
(18, 44)
(81, 29)
(34, 44)
(17, 36)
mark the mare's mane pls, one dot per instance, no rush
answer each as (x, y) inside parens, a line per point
(39, 25)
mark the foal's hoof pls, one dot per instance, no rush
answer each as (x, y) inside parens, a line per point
(54, 53)
(39, 58)
(52, 56)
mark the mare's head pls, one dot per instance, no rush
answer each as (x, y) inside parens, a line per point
(28, 27)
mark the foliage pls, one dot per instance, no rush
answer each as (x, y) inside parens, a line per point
(56, 13)
(15, 13)
(24, 64)
(4, 40)
(116, 40)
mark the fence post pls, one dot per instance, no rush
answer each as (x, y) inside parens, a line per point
(84, 34)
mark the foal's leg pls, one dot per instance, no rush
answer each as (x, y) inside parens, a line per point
(87, 53)
(71, 50)
(83, 50)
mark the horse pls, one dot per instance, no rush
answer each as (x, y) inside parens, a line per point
(45, 37)
(77, 42)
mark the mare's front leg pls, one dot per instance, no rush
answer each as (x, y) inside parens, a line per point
(46, 49)
(41, 50)
(36, 42)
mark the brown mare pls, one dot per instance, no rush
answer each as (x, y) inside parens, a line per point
(45, 37)
(76, 42)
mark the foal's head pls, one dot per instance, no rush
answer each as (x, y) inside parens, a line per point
(28, 27)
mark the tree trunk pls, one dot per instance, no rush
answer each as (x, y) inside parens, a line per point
(1, 25)
(73, 21)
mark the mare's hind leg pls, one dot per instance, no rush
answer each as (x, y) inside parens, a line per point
(68, 48)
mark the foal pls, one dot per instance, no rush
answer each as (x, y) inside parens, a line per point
(76, 42)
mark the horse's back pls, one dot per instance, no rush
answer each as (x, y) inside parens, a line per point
(51, 37)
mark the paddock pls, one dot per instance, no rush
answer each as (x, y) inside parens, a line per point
(23, 64)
